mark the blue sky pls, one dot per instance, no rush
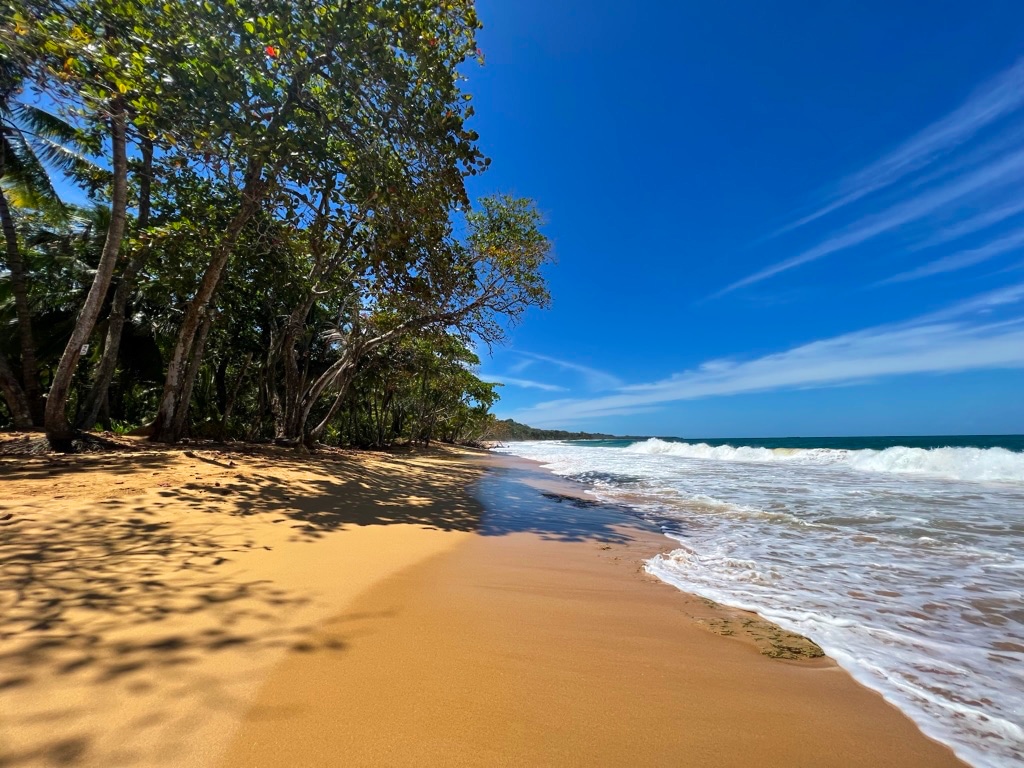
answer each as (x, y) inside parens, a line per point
(788, 218)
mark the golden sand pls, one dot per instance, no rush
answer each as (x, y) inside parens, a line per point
(144, 598)
(206, 608)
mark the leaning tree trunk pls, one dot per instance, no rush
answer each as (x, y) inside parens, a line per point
(337, 376)
(33, 392)
(253, 190)
(15, 398)
(178, 426)
(58, 429)
(97, 396)
(173, 398)
(290, 428)
(341, 373)
(229, 404)
(317, 432)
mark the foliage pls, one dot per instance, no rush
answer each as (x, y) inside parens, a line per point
(508, 430)
(284, 249)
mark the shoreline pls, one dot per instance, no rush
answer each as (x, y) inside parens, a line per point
(541, 640)
(901, 590)
(434, 607)
(652, 539)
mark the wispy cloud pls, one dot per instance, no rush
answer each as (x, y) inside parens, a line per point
(970, 225)
(997, 98)
(595, 379)
(957, 338)
(961, 259)
(999, 172)
(971, 158)
(981, 304)
(521, 365)
(517, 382)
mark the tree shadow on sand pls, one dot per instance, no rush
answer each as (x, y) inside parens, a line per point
(85, 596)
(348, 492)
(83, 599)
(443, 496)
(112, 597)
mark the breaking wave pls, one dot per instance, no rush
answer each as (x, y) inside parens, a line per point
(968, 464)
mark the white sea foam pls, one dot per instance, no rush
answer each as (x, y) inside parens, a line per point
(906, 565)
(971, 464)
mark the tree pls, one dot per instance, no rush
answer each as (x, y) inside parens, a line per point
(475, 287)
(81, 63)
(31, 139)
(283, 237)
(361, 71)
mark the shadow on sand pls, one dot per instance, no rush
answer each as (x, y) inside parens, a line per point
(507, 500)
(86, 590)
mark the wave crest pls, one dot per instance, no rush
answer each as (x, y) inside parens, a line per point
(970, 464)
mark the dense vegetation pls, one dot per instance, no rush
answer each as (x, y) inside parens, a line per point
(280, 243)
(507, 430)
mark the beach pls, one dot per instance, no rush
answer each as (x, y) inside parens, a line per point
(218, 607)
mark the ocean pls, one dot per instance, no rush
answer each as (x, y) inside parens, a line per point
(902, 557)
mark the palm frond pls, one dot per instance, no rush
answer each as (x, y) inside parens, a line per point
(56, 141)
(46, 124)
(26, 180)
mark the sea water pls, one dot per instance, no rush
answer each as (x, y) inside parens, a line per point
(902, 557)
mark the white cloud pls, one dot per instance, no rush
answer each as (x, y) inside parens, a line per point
(961, 259)
(520, 366)
(943, 342)
(516, 382)
(595, 379)
(973, 224)
(997, 173)
(982, 304)
(997, 98)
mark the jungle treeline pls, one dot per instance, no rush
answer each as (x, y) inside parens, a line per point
(278, 242)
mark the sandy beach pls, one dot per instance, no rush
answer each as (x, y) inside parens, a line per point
(263, 608)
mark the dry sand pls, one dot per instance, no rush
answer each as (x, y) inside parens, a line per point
(210, 609)
(145, 597)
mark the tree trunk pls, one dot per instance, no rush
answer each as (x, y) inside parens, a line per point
(342, 371)
(317, 431)
(339, 374)
(15, 398)
(295, 381)
(58, 429)
(177, 369)
(178, 425)
(33, 392)
(115, 322)
(229, 405)
(220, 382)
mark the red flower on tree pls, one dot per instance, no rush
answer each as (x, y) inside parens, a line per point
(271, 51)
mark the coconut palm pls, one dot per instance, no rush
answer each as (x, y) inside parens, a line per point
(34, 143)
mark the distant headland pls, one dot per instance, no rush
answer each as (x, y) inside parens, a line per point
(508, 430)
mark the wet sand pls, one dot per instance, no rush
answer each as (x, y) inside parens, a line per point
(540, 641)
(210, 608)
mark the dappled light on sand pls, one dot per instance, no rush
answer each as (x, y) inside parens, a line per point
(143, 595)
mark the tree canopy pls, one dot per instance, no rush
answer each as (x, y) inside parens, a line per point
(281, 245)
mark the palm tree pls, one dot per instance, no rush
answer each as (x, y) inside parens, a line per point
(32, 142)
